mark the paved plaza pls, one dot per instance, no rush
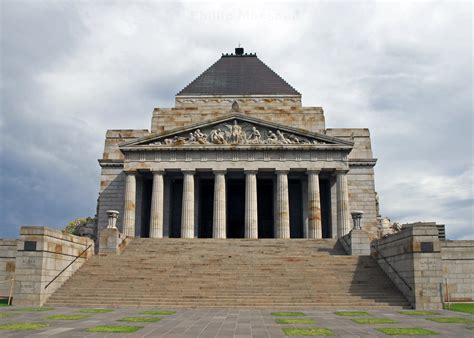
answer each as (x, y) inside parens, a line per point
(202, 322)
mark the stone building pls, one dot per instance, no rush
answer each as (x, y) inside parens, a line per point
(238, 157)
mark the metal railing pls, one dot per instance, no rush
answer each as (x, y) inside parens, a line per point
(67, 266)
(394, 270)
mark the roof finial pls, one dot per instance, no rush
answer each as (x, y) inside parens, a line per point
(239, 50)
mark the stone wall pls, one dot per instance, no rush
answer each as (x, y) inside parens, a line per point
(458, 270)
(412, 260)
(7, 265)
(41, 254)
(283, 110)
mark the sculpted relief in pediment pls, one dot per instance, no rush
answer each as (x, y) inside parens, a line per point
(236, 133)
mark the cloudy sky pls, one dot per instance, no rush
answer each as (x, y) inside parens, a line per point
(72, 70)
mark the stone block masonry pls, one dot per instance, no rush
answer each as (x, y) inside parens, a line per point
(412, 260)
(7, 265)
(458, 270)
(42, 253)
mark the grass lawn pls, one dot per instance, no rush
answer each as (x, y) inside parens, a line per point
(140, 319)
(7, 314)
(287, 314)
(158, 312)
(96, 310)
(352, 313)
(33, 309)
(114, 329)
(470, 328)
(452, 320)
(66, 317)
(295, 321)
(419, 313)
(373, 321)
(410, 331)
(23, 326)
(312, 331)
(464, 307)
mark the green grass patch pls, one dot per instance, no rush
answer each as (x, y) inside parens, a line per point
(461, 307)
(311, 331)
(295, 321)
(287, 314)
(419, 313)
(66, 317)
(4, 302)
(33, 309)
(408, 331)
(352, 313)
(452, 320)
(158, 313)
(373, 321)
(470, 328)
(115, 329)
(140, 319)
(7, 314)
(23, 326)
(96, 311)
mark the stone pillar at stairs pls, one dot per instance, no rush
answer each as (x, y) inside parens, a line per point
(219, 217)
(314, 205)
(156, 216)
(282, 224)
(187, 212)
(130, 202)
(251, 213)
(343, 214)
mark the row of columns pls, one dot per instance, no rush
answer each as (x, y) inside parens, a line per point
(282, 221)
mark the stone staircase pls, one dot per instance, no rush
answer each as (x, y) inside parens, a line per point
(229, 273)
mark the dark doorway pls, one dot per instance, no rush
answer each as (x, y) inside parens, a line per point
(265, 208)
(176, 205)
(206, 206)
(325, 195)
(296, 208)
(235, 208)
(146, 207)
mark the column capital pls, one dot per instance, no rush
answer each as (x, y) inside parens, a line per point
(341, 172)
(219, 171)
(313, 171)
(282, 172)
(188, 172)
(131, 172)
(158, 171)
(250, 172)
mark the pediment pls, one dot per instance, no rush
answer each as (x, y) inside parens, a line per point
(236, 130)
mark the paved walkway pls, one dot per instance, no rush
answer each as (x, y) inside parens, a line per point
(224, 323)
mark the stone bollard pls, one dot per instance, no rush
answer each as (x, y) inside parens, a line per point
(356, 219)
(111, 241)
(112, 218)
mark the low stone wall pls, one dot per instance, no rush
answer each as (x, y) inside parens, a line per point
(356, 243)
(412, 260)
(7, 265)
(458, 270)
(41, 254)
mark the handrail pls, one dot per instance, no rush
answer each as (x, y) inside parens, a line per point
(67, 266)
(390, 265)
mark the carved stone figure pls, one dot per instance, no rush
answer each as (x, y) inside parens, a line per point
(282, 138)
(271, 137)
(255, 136)
(217, 136)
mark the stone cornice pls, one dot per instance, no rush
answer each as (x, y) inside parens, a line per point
(369, 162)
(110, 163)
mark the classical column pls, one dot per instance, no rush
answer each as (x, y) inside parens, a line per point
(156, 216)
(219, 217)
(129, 207)
(251, 213)
(314, 205)
(343, 215)
(187, 211)
(282, 224)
